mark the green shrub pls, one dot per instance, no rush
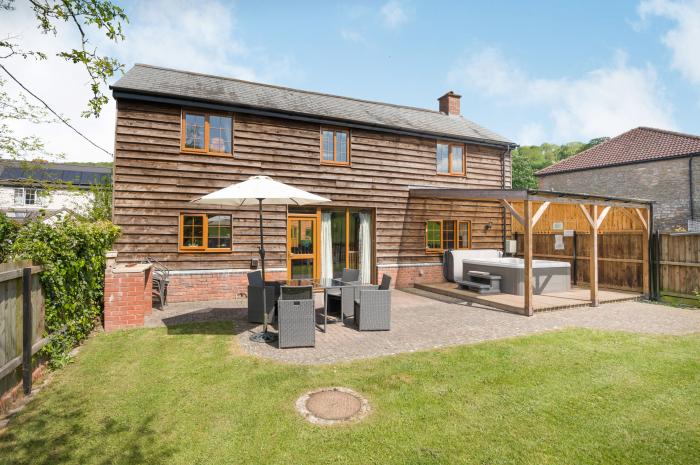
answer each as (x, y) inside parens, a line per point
(73, 255)
(8, 233)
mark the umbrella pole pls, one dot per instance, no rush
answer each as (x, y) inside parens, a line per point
(264, 336)
(262, 261)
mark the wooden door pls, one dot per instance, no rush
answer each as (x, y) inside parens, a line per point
(302, 247)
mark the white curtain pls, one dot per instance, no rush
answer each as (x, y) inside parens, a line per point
(365, 260)
(326, 246)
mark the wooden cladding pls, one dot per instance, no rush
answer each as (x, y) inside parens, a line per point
(205, 232)
(335, 146)
(441, 235)
(155, 181)
(209, 133)
(450, 159)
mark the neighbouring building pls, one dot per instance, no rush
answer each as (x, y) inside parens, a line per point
(181, 135)
(643, 163)
(28, 189)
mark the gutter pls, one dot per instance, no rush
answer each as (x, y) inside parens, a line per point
(691, 188)
(167, 99)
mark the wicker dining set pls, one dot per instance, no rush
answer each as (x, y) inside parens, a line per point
(291, 305)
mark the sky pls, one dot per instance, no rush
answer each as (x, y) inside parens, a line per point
(536, 71)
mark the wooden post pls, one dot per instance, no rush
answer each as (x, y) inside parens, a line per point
(645, 256)
(528, 308)
(593, 263)
(27, 330)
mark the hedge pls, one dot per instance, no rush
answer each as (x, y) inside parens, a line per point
(72, 252)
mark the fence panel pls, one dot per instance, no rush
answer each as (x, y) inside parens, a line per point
(11, 319)
(619, 257)
(679, 264)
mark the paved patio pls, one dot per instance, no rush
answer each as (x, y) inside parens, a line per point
(420, 322)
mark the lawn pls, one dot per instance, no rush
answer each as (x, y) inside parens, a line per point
(186, 395)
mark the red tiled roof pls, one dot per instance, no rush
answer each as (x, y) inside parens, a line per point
(637, 145)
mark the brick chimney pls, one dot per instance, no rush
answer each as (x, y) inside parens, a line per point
(449, 103)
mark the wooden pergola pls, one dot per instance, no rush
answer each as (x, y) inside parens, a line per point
(593, 207)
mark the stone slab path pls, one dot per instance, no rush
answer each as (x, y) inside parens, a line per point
(420, 322)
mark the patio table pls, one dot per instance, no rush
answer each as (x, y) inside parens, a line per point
(322, 284)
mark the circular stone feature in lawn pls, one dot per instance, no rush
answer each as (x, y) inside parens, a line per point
(331, 406)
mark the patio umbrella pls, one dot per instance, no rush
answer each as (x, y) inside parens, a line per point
(260, 190)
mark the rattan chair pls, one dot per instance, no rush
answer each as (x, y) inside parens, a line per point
(296, 293)
(373, 307)
(296, 322)
(255, 298)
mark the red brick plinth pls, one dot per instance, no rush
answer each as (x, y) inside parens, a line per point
(128, 294)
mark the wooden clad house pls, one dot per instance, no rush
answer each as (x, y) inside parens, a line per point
(181, 135)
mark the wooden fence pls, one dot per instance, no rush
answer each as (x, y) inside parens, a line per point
(21, 322)
(620, 258)
(678, 264)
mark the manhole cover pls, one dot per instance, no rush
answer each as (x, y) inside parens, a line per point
(330, 406)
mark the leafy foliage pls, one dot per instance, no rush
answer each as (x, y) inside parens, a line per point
(73, 255)
(85, 16)
(8, 233)
(530, 158)
(101, 209)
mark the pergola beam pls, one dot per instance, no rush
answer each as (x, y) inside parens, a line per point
(602, 216)
(513, 212)
(540, 211)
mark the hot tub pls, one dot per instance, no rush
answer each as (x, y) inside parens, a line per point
(547, 275)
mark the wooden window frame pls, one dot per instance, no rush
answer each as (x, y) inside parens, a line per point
(335, 146)
(206, 114)
(205, 233)
(457, 222)
(450, 172)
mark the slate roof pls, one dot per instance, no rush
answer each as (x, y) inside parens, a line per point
(164, 82)
(78, 175)
(635, 146)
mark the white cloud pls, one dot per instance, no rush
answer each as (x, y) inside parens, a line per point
(200, 36)
(684, 38)
(601, 102)
(352, 36)
(393, 14)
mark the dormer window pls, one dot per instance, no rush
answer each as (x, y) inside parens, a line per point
(450, 159)
(335, 146)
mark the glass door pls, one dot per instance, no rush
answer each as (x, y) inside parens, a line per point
(301, 247)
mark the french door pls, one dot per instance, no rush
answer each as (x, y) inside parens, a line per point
(302, 247)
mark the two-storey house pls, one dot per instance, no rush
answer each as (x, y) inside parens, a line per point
(181, 135)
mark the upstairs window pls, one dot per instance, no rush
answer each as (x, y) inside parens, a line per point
(443, 235)
(28, 196)
(450, 159)
(335, 147)
(207, 133)
(201, 232)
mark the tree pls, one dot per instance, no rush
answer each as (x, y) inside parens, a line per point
(528, 159)
(523, 173)
(83, 15)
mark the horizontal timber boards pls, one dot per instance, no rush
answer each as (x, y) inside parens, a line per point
(154, 182)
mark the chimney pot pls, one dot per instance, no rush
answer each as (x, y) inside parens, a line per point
(449, 103)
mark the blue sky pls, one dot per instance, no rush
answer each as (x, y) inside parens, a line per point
(533, 71)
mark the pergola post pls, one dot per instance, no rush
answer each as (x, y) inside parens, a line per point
(528, 308)
(644, 219)
(593, 263)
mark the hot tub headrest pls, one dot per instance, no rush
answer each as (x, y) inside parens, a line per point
(453, 263)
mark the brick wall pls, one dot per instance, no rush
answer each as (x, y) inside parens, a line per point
(408, 275)
(197, 286)
(664, 181)
(128, 296)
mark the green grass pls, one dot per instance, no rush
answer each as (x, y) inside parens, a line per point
(187, 396)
